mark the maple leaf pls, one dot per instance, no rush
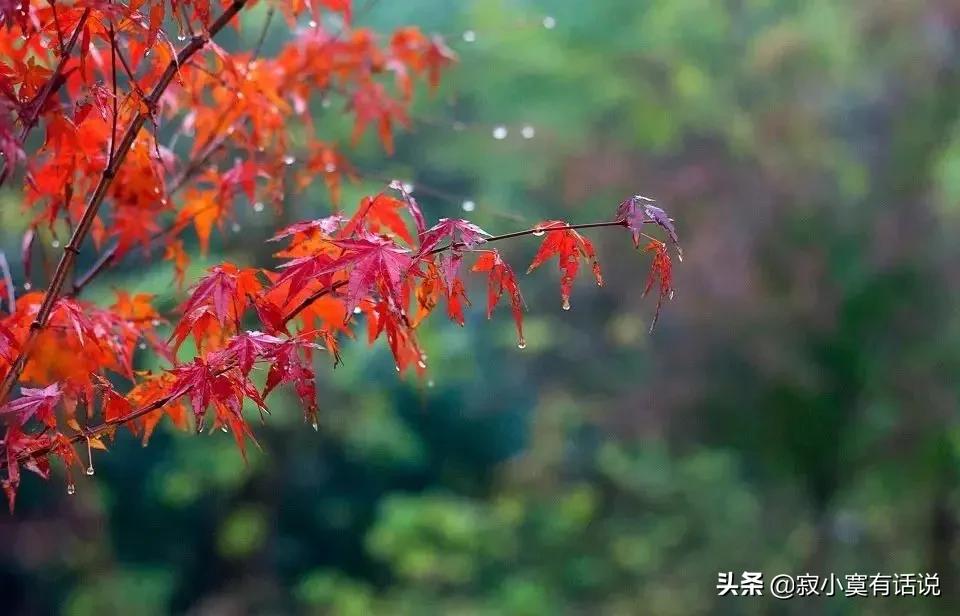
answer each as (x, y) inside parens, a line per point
(501, 278)
(289, 367)
(37, 403)
(661, 271)
(638, 211)
(375, 263)
(222, 296)
(377, 214)
(569, 247)
(457, 231)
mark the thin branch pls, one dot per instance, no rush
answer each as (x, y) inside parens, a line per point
(72, 249)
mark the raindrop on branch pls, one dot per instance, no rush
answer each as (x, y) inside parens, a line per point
(71, 489)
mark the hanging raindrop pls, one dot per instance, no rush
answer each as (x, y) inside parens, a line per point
(522, 343)
(566, 304)
(537, 231)
(90, 470)
(71, 489)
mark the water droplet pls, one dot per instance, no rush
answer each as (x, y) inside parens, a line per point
(566, 304)
(469, 36)
(236, 227)
(422, 364)
(430, 383)
(330, 168)
(27, 286)
(679, 255)
(258, 206)
(71, 489)
(155, 322)
(500, 132)
(181, 37)
(397, 367)
(156, 190)
(146, 53)
(469, 206)
(549, 22)
(142, 346)
(537, 231)
(223, 429)
(55, 243)
(672, 293)
(357, 310)
(90, 470)
(312, 24)
(315, 425)
(522, 343)
(528, 132)
(408, 187)
(289, 160)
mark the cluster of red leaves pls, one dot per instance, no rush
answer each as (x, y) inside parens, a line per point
(82, 74)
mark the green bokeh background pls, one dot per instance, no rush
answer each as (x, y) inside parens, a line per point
(794, 411)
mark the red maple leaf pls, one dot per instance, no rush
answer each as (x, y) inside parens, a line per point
(37, 403)
(569, 247)
(501, 278)
(661, 270)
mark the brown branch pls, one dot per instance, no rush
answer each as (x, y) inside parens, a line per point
(72, 249)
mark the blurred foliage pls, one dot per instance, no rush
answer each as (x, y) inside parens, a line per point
(795, 411)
